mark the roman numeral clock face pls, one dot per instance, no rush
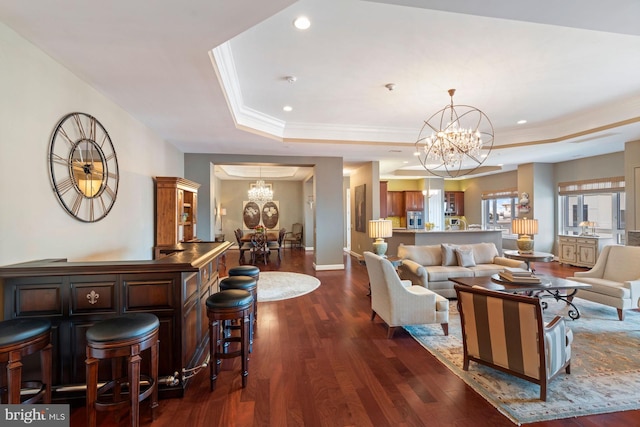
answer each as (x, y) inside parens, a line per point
(83, 167)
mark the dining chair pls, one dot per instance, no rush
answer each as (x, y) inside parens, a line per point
(259, 248)
(242, 246)
(294, 236)
(279, 244)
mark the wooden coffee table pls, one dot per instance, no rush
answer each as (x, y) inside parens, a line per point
(549, 287)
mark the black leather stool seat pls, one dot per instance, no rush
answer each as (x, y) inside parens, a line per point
(132, 325)
(245, 270)
(15, 330)
(232, 298)
(245, 283)
(20, 338)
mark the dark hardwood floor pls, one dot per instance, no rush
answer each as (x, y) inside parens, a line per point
(318, 360)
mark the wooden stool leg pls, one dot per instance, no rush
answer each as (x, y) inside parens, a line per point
(45, 368)
(14, 377)
(214, 361)
(134, 385)
(92, 389)
(116, 377)
(245, 332)
(155, 350)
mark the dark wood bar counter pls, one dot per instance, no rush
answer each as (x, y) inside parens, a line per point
(75, 295)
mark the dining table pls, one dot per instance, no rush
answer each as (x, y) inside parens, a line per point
(271, 237)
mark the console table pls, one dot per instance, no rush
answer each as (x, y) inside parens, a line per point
(75, 295)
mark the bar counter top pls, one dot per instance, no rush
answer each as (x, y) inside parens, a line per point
(425, 231)
(435, 237)
(183, 257)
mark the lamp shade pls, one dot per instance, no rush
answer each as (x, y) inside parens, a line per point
(380, 228)
(524, 226)
(223, 211)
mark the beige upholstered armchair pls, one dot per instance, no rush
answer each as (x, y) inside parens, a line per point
(614, 279)
(399, 304)
(506, 332)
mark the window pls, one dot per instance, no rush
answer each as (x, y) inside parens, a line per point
(499, 208)
(593, 207)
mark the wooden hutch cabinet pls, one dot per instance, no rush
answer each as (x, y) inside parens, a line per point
(176, 212)
(454, 201)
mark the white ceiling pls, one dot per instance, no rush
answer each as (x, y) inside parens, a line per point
(570, 68)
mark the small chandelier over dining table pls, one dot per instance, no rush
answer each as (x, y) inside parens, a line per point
(451, 140)
(260, 192)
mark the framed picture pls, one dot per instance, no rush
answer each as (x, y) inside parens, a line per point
(361, 208)
(268, 215)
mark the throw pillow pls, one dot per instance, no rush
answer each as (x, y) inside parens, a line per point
(465, 257)
(484, 253)
(449, 254)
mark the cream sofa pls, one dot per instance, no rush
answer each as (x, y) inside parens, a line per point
(614, 279)
(431, 266)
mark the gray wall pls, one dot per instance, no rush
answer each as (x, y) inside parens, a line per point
(233, 193)
(36, 93)
(328, 209)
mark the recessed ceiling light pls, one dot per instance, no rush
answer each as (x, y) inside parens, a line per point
(405, 161)
(521, 122)
(287, 108)
(302, 23)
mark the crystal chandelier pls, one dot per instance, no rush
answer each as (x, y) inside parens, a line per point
(457, 135)
(260, 192)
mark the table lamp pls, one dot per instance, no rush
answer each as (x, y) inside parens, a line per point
(524, 228)
(380, 229)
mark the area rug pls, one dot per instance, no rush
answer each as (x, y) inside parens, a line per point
(276, 285)
(605, 366)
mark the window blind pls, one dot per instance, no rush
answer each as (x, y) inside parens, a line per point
(500, 194)
(590, 186)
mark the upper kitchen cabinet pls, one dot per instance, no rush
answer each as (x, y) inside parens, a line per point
(413, 200)
(454, 203)
(383, 199)
(395, 203)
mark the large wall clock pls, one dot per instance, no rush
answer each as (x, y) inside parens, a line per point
(83, 167)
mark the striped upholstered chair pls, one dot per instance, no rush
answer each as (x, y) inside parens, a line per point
(506, 332)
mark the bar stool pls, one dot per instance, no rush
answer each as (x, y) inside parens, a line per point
(245, 270)
(246, 283)
(124, 336)
(231, 304)
(22, 337)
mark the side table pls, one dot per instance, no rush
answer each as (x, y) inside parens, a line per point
(528, 258)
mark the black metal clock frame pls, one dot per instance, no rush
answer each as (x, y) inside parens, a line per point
(83, 167)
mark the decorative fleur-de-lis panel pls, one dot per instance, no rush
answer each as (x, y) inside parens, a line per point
(93, 297)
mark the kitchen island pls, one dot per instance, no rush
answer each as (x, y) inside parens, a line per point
(75, 295)
(457, 237)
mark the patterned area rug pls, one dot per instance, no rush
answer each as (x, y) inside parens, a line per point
(276, 285)
(605, 366)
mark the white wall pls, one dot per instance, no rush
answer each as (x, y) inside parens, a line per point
(36, 92)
